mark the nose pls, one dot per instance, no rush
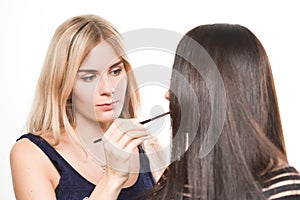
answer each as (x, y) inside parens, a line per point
(167, 95)
(105, 86)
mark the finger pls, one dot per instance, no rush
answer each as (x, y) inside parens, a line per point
(126, 125)
(137, 134)
(133, 144)
(128, 137)
(113, 134)
(129, 126)
(110, 131)
(124, 141)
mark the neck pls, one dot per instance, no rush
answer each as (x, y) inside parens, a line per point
(104, 126)
(89, 131)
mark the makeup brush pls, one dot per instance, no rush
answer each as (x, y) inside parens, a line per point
(142, 122)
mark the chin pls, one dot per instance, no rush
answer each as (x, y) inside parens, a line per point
(107, 117)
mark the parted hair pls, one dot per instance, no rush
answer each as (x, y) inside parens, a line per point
(251, 142)
(70, 44)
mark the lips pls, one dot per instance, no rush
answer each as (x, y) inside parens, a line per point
(107, 106)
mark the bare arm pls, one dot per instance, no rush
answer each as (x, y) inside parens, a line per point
(35, 177)
(30, 172)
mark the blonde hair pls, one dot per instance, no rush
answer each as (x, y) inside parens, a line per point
(71, 43)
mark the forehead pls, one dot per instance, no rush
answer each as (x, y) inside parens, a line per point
(100, 57)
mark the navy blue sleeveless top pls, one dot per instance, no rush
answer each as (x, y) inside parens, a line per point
(73, 186)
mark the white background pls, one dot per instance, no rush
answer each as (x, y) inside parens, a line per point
(27, 26)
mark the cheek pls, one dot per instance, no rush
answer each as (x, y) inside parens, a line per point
(83, 94)
(121, 87)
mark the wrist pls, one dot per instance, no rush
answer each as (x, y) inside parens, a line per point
(115, 181)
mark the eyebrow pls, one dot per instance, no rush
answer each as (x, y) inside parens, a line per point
(88, 70)
(95, 71)
(117, 63)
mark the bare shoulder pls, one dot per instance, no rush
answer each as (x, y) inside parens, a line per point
(24, 151)
(27, 155)
(30, 167)
(27, 158)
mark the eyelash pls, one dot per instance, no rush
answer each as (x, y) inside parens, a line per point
(89, 78)
(116, 71)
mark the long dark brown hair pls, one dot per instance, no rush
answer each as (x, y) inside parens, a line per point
(251, 141)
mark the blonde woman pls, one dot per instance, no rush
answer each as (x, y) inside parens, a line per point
(85, 84)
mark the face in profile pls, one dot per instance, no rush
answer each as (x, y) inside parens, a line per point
(100, 85)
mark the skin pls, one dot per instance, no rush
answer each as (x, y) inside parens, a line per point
(35, 177)
(99, 82)
(167, 95)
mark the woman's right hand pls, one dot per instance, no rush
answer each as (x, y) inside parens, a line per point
(120, 145)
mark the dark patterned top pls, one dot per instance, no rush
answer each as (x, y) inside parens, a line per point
(283, 184)
(73, 186)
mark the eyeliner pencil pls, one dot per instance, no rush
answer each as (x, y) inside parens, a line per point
(142, 122)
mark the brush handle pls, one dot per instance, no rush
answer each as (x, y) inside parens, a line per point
(142, 122)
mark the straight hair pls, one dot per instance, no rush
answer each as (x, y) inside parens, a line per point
(71, 43)
(251, 141)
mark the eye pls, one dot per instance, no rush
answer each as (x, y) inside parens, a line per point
(116, 70)
(89, 78)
